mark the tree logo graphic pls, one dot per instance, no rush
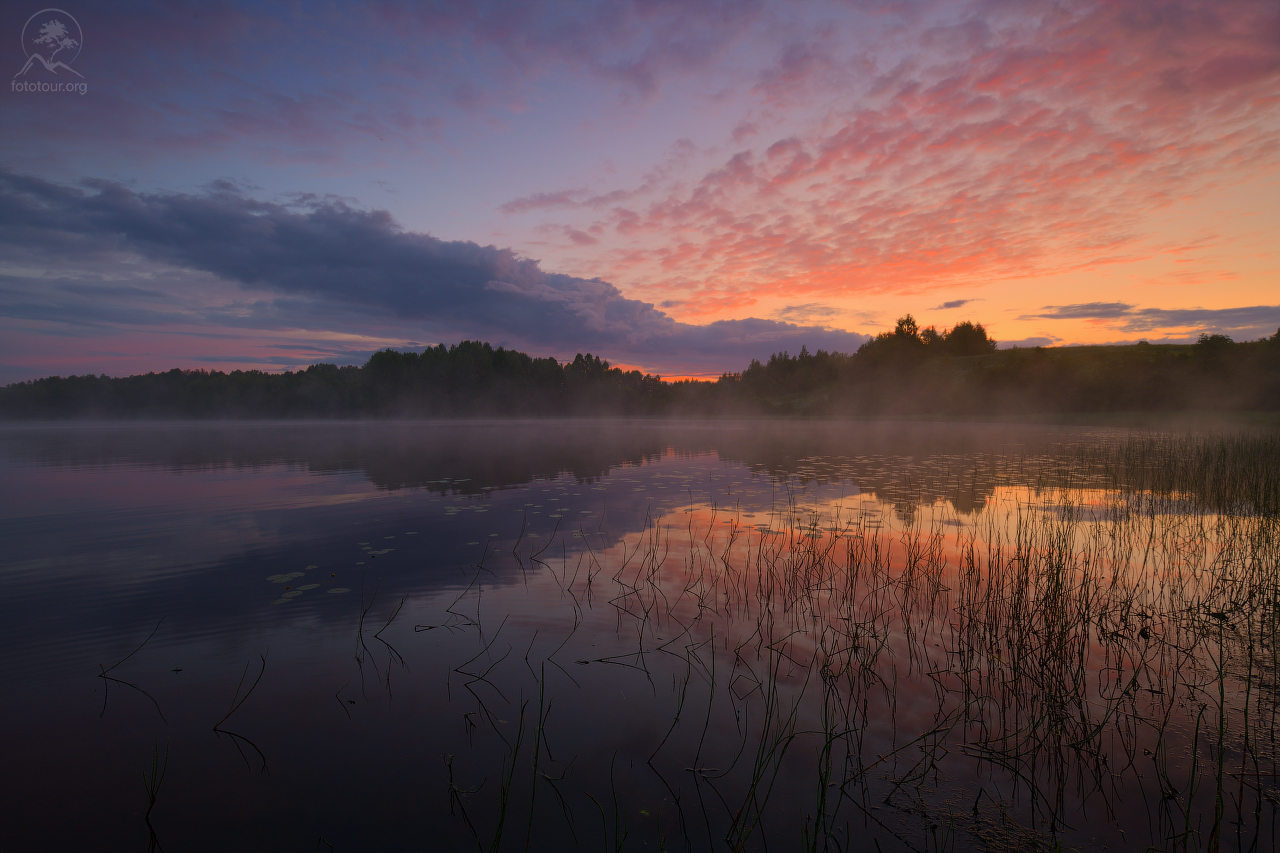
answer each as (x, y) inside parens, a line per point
(53, 38)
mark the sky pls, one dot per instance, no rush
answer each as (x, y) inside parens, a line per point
(677, 187)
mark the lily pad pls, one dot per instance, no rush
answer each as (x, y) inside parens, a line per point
(338, 589)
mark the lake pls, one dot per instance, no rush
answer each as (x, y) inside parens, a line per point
(638, 635)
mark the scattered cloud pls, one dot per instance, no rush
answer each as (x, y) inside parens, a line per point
(955, 303)
(1024, 343)
(743, 131)
(580, 238)
(1082, 311)
(807, 313)
(1249, 321)
(544, 201)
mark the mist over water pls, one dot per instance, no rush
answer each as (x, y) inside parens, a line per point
(646, 634)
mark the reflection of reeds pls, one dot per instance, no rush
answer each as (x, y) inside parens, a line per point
(237, 700)
(362, 648)
(1117, 616)
(151, 782)
(108, 680)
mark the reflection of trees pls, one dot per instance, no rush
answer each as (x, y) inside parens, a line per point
(457, 457)
(905, 465)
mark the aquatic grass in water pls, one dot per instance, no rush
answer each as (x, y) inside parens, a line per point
(1097, 650)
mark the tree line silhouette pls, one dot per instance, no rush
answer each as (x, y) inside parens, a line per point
(907, 371)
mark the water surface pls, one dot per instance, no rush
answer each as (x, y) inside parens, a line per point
(646, 635)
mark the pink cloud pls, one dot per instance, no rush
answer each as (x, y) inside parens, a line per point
(1031, 149)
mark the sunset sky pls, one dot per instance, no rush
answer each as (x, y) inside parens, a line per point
(677, 187)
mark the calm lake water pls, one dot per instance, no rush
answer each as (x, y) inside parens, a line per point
(633, 635)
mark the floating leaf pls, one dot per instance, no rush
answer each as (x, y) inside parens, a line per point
(281, 601)
(338, 589)
(309, 586)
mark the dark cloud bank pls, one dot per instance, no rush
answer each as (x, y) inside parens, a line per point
(342, 258)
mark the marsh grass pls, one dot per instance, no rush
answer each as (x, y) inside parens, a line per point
(1091, 652)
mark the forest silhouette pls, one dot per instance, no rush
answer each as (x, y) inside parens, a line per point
(907, 371)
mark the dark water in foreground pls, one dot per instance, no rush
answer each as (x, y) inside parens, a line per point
(628, 635)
